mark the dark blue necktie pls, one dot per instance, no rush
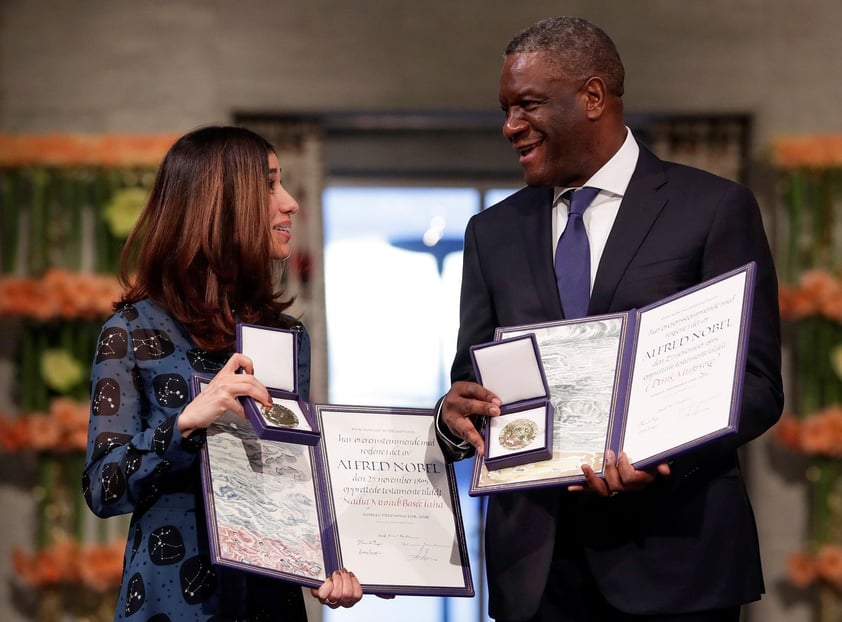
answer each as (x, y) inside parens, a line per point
(573, 257)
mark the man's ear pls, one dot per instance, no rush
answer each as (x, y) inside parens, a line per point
(595, 95)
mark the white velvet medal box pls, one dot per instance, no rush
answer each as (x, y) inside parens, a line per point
(523, 431)
(274, 353)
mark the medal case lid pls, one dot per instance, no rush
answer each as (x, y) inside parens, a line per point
(512, 370)
(274, 354)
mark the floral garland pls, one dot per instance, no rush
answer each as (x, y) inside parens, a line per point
(69, 580)
(817, 434)
(98, 567)
(75, 150)
(826, 565)
(67, 204)
(810, 264)
(817, 294)
(818, 151)
(64, 428)
(59, 316)
(59, 294)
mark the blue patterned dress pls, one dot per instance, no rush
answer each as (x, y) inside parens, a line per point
(137, 462)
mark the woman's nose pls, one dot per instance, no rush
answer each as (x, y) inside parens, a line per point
(288, 204)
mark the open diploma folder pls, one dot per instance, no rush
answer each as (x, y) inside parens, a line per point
(653, 382)
(373, 495)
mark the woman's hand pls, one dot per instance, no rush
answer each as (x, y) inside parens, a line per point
(221, 394)
(340, 589)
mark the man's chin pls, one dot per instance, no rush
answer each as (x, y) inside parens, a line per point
(536, 180)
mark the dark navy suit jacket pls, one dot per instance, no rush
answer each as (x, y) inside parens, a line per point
(688, 542)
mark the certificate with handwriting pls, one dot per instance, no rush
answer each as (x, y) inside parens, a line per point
(374, 495)
(653, 382)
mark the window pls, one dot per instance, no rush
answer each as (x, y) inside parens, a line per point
(393, 267)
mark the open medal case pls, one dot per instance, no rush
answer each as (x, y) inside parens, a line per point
(512, 369)
(274, 352)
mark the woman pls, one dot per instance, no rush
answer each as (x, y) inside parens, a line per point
(199, 260)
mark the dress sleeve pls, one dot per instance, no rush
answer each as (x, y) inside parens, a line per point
(134, 450)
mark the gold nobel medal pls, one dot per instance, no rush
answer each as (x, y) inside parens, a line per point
(280, 416)
(518, 434)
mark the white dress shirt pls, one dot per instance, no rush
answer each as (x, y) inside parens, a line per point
(612, 180)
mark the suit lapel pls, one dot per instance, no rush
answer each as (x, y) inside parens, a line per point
(639, 208)
(535, 218)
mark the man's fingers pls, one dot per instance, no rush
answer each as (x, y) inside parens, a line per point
(613, 480)
(475, 391)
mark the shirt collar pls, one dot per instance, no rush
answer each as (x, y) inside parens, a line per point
(615, 175)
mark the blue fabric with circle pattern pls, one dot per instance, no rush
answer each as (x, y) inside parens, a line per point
(138, 463)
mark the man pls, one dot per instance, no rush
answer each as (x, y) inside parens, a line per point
(674, 543)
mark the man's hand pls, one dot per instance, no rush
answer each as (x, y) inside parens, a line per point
(464, 400)
(619, 476)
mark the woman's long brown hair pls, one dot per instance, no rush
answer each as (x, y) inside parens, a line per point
(201, 247)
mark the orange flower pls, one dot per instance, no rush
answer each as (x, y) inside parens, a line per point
(98, 567)
(812, 151)
(821, 432)
(85, 150)
(801, 568)
(63, 428)
(813, 438)
(18, 296)
(788, 432)
(59, 294)
(49, 566)
(25, 566)
(14, 433)
(44, 435)
(101, 567)
(819, 286)
(829, 564)
(818, 293)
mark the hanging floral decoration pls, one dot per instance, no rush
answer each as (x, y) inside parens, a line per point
(72, 151)
(97, 567)
(67, 204)
(71, 580)
(809, 241)
(63, 428)
(59, 295)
